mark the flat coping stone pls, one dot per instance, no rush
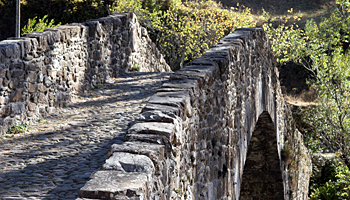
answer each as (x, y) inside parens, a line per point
(160, 128)
(115, 185)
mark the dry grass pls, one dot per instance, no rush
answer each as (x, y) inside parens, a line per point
(305, 98)
(309, 9)
(296, 101)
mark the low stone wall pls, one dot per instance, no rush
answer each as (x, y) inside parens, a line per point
(191, 140)
(43, 71)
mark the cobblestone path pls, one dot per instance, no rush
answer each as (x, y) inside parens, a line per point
(58, 154)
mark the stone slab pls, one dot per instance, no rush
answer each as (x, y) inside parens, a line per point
(115, 185)
(156, 116)
(128, 162)
(170, 110)
(166, 129)
(154, 151)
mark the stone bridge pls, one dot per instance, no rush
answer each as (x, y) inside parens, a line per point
(218, 129)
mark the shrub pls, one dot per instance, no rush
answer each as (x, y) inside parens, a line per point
(322, 48)
(38, 26)
(184, 30)
(330, 181)
(187, 29)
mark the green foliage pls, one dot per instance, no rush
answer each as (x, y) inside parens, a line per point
(38, 26)
(16, 129)
(333, 182)
(322, 48)
(288, 41)
(184, 30)
(136, 68)
(128, 6)
(330, 119)
(181, 30)
(189, 28)
(145, 13)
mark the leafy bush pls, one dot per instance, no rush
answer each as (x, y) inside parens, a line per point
(320, 49)
(288, 41)
(187, 29)
(331, 181)
(38, 26)
(184, 30)
(144, 14)
(323, 49)
(181, 30)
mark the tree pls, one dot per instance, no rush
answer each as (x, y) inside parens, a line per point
(323, 50)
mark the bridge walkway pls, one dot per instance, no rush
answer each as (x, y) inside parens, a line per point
(56, 157)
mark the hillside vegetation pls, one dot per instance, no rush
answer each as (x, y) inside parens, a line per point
(185, 30)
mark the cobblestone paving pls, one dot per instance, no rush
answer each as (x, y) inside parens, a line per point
(58, 154)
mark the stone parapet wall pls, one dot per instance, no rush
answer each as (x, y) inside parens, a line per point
(191, 140)
(41, 72)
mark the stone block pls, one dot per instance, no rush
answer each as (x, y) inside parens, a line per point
(42, 110)
(156, 116)
(151, 138)
(42, 99)
(169, 110)
(17, 108)
(160, 128)
(2, 100)
(17, 73)
(31, 77)
(47, 81)
(32, 106)
(75, 86)
(27, 46)
(179, 99)
(40, 76)
(116, 185)
(153, 151)
(16, 96)
(5, 111)
(51, 110)
(32, 88)
(41, 88)
(3, 72)
(144, 32)
(30, 66)
(127, 162)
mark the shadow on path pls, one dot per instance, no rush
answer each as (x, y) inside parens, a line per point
(57, 160)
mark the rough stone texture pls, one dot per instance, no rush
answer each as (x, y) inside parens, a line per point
(206, 118)
(44, 71)
(59, 153)
(262, 175)
(117, 185)
(191, 141)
